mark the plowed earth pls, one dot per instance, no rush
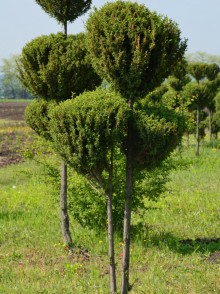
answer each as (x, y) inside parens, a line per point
(11, 118)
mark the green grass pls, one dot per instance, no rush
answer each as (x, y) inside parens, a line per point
(169, 253)
(15, 100)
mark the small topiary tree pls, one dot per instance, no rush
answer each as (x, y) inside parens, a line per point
(201, 92)
(134, 50)
(86, 132)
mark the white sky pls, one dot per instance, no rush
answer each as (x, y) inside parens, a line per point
(23, 20)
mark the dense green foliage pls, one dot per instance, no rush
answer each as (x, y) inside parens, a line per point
(86, 128)
(51, 67)
(88, 205)
(66, 10)
(36, 116)
(157, 131)
(132, 48)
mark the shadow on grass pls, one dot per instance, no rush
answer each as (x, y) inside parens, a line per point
(186, 246)
(175, 244)
(12, 215)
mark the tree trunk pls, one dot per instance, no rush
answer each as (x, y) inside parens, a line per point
(197, 130)
(127, 212)
(65, 28)
(113, 288)
(188, 139)
(210, 125)
(63, 194)
(63, 206)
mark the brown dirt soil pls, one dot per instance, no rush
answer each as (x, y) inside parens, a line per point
(214, 257)
(13, 112)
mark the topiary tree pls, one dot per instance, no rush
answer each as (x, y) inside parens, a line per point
(201, 91)
(64, 12)
(212, 85)
(134, 50)
(55, 68)
(86, 132)
(216, 116)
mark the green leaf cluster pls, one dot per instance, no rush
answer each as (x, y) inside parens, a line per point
(66, 10)
(133, 48)
(85, 129)
(37, 117)
(51, 67)
(157, 130)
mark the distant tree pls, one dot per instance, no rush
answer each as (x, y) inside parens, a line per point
(201, 92)
(55, 68)
(203, 57)
(216, 116)
(134, 50)
(197, 91)
(10, 85)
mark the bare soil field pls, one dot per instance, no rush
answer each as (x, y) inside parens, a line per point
(11, 121)
(12, 110)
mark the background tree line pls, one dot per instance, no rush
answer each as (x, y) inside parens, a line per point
(10, 86)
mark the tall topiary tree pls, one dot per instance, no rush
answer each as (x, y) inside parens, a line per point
(134, 50)
(55, 68)
(64, 12)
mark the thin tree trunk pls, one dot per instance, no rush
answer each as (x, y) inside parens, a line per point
(210, 125)
(188, 139)
(63, 195)
(64, 207)
(127, 213)
(113, 288)
(65, 28)
(197, 130)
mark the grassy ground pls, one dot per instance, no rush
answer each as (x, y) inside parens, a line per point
(176, 251)
(15, 100)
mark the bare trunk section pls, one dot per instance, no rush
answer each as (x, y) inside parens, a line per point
(113, 288)
(65, 28)
(64, 207)
(197, 130)
(210, 125)
(188, 139)
(63, 194)
(127, 213)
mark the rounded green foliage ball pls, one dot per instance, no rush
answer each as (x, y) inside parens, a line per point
(36, 116)
(65, 11)
(133, 48)
(57, 67)
(85, 128)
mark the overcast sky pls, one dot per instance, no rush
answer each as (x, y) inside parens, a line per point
(198, 20)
